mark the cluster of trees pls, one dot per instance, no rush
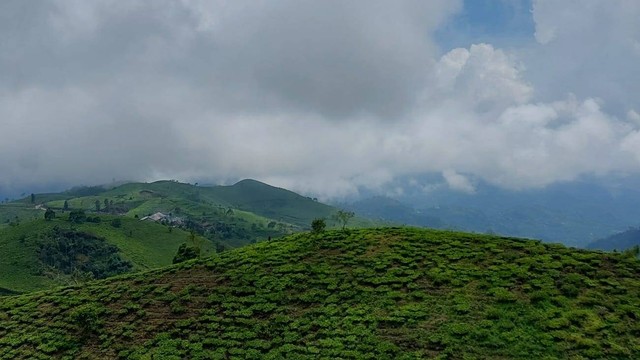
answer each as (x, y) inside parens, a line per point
(71, 251)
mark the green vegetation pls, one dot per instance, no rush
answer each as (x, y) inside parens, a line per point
(395, 293)
(208, 218)
(236, 215)
(343, 217)
(69, 251)
(146, 245)
(318, 226)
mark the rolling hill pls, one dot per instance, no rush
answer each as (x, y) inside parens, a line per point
(236, 215)
(394, 293)
(219, 217)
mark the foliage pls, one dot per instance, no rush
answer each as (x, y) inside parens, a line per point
(77, 216)
(318, 226)
(185, 253)
(71, 250)
(343, 217)
(395, 293)
(116, 222)
(49, 215)
(151, 246)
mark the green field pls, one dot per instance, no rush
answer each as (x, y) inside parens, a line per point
(394, 293)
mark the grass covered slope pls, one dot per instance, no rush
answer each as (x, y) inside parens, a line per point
(146, 245)
(392, 293)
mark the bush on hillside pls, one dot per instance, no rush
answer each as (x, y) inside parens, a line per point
(318, 225)
(77, 216)
(185, 253)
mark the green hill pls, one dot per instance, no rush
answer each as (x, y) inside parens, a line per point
(145, 245)
(227, 216)
(395, 293)
(236, 215)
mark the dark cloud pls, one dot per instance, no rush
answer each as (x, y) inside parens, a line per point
(322, 96)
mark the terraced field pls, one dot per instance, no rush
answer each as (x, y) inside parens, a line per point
(393, 293)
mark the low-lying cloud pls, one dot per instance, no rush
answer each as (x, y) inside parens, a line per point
(321, 97)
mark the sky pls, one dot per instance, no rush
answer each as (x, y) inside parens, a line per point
(323, 98)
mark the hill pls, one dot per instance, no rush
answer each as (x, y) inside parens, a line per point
(621, 241)
(144, 245)
(395, 293)
(236, 215)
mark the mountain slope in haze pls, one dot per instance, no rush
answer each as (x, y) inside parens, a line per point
(573, 213)
(621, 241)
(395, 293)
(386, 208)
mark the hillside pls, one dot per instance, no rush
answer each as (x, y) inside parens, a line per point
(145, 245)
(620, 241)
(236, 215)
(395, 293)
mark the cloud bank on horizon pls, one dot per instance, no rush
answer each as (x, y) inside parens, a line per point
(321, 97)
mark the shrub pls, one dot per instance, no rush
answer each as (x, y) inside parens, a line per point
(318, 226)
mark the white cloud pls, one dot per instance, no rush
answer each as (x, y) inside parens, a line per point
(458, 182)
(322, 97)
(480, 77)
(589, 48)
(633, 116)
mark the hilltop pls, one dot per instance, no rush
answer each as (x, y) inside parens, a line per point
(397, 293)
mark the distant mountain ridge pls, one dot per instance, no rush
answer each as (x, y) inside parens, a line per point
(620, 241)
(574, 213)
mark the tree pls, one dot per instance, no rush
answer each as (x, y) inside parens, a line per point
(318, 225)
(107, 206)
(97, 205)
(65, 207)
(196, 241)
(77, 216)
(49, 215)
(343, 217)
(185, 253)
(33, 198)
(116, 223)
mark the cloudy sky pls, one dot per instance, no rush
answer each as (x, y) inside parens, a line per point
(322, 97)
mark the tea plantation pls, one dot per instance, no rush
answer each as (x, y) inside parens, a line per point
(393, 293)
